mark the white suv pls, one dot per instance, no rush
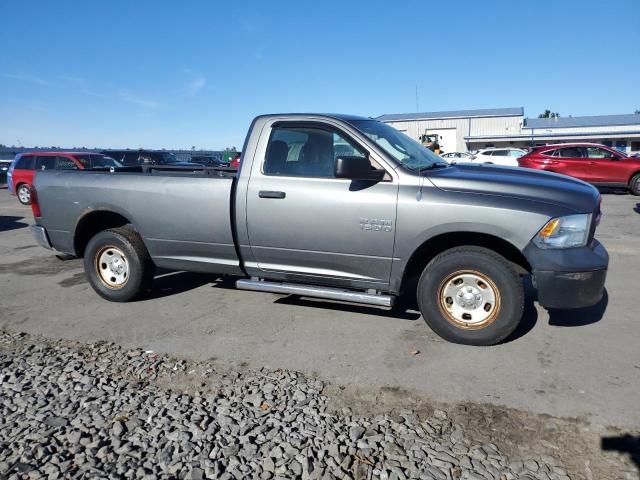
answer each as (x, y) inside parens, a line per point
(499, 156)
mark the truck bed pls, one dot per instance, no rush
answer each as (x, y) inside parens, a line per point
(182, 215)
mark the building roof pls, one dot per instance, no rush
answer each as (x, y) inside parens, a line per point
(591, 121)
(482, 112)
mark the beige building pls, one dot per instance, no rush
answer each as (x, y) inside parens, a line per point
(467, 130)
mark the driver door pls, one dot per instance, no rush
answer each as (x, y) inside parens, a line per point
(306, 225)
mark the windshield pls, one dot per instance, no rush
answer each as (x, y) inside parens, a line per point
(401, 147)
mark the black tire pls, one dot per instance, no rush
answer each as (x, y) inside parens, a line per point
(634, 185)
(503, 316)
(23, 192)
(139, 266)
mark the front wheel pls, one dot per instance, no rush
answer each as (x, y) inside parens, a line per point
(118, 265)
(634, 185)
(471, 295)
(23, 193)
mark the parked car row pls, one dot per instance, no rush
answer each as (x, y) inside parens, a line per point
(591, 162)
(20, 171)
(507, 157)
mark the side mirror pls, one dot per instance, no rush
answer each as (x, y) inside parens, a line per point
(357, 168)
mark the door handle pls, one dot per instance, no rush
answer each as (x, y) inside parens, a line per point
(271, 194)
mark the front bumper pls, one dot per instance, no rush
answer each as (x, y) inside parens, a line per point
(40, 234)
(571, 278)
(569, 289)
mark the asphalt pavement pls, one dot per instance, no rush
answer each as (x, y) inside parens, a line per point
(582, 363)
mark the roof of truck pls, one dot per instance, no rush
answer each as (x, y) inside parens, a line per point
(339, 116)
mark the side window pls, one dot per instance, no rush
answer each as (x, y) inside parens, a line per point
(305, 152)
(85, 160)
(131, 158)
(515, 153)
(500, 153)
(45, 163)
(65, 163)
(488, 153)
(25, 163)
(571, 152)
(342, 148)
(551, 153)
(115, 155)
(595, 152)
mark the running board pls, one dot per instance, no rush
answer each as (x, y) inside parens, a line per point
(317, 292)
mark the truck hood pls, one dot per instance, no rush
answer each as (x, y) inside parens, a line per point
(535, 185)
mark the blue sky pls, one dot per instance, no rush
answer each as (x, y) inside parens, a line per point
(168, 74)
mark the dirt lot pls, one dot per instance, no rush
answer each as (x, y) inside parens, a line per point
(563, 383)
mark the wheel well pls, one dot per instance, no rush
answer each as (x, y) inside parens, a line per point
(438, 244)
(93, 223)
(633, 175)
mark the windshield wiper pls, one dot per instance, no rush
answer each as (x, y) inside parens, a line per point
(429, 167)
(438, 165)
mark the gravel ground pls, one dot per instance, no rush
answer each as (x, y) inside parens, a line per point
(97, 411)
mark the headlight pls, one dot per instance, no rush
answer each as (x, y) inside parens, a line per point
(564, 232)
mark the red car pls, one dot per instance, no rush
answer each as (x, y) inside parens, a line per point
(23, 167)
(590, 162)
(235, 162)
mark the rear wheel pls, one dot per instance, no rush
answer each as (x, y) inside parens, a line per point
(634, 185)
(471, 295)
(118, 265)
(23, 193)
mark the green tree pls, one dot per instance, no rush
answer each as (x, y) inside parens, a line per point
(549, 114)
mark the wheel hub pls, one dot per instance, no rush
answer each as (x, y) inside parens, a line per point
(112, 267)
(24, 194)
(469, 299)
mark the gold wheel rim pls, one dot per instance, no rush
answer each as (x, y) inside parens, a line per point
(112, 267)
(469, 299)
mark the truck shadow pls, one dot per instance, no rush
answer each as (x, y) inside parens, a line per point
(11, 223)
(613, 190)
(580, 316)
(400, 313)
(625, 444)
(167, 283)
(529, 320)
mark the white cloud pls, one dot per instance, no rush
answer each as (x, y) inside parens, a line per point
(195, 85)
(72, 79)
(25, 78)
(136, 100)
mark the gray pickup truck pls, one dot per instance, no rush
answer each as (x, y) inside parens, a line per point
(344, 208)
